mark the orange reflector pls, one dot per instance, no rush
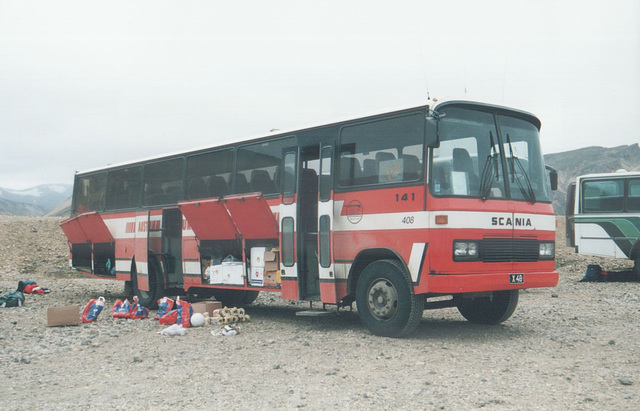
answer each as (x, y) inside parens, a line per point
(442, 219)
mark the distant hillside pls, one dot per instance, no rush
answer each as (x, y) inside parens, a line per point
(62, 210)
(588, 160)
(34, 201)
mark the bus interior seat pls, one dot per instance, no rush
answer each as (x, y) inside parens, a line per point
(173, 194)
(384, 156)
(350, 171)
(411, 167)
(369, 171)
(153, 194)
(462, 162)
(197, 189)
(242, 185)
(217, 186)
(261, 182)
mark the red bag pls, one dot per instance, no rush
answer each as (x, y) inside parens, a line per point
(138, 311)
(169, 318)
(165, 304)
(92, 310)
(185, 311)
(121, 309)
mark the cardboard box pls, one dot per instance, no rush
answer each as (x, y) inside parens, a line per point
(271, 279)
(206, 307)
(67, 315)
(271, 261)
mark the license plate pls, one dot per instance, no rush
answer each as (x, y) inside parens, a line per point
(516, 278)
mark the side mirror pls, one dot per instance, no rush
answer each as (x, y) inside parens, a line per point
(553, 177)
(433, 129)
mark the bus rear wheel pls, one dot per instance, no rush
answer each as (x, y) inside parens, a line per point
(149, 298)
(386, 304)
(490, 310)
(636, 268)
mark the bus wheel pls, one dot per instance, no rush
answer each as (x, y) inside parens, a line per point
(235, 298)
(636, 268)
(488, 310)
(385, 302)
(148, 298)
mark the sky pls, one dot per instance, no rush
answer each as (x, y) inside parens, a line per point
(84, 84)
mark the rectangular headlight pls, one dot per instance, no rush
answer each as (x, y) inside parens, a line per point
(547, 251)
(465, 250)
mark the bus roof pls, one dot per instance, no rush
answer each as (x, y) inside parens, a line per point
(616, 174)
(286, 132)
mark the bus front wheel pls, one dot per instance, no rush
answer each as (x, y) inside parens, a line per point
(490, 310)
(386, 304)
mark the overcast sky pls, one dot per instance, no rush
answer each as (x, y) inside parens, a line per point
(89, 83)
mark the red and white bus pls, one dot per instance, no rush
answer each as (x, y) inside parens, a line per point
(446, 204)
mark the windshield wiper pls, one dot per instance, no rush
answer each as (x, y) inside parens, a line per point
(528, 194)
(490, 170)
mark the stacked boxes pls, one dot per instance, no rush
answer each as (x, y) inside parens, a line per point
(257, 266)
(265, 265)
(271, 269)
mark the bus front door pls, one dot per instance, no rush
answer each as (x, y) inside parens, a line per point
(307, 229)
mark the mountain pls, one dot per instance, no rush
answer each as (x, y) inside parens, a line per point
(34, 201)
(589, 160)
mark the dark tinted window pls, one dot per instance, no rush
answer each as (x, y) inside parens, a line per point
(382, 152)
(209, 174)
(633, 202)
(325, 174)
(602, 196)
(124, 188)
(89, 193)
(163, 182)
(289, 177)
(258, 168)
(287, 242)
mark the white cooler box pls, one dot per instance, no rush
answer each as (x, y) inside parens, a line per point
(227, 273)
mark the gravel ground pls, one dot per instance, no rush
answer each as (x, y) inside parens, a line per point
(575, 346)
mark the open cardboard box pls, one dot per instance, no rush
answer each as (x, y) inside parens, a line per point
(206, 307)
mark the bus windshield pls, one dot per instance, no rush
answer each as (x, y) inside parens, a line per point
(489, 156)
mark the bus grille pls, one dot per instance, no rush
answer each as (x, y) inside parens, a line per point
(508, 249)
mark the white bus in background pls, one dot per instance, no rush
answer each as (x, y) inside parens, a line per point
(603, 215)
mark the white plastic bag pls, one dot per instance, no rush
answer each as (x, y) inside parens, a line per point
(175, 329)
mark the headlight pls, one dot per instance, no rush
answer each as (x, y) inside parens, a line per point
(547, 251)
(465, 250)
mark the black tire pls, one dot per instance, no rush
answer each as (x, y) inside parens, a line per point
(636, 268)
(149, 298)
(235, 298)
(385, 300)
(488, 310)
(128, 289)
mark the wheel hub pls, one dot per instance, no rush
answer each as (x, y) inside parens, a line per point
(382, 299)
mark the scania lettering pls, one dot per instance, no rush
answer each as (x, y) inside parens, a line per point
(445, 204)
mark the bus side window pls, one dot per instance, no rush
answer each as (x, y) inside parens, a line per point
(633, 201)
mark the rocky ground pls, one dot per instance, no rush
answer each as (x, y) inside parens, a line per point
(575, 346)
